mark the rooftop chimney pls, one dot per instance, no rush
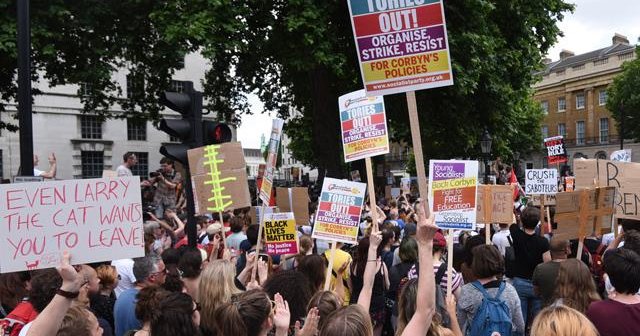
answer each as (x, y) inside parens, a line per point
(619, 39)
(564, 54)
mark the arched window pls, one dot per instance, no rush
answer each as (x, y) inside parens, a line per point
(602, 155)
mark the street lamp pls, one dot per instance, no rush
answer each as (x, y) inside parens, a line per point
(485, 147)
(516, 163)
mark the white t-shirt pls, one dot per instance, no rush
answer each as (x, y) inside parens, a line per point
(125, 275)
(37, 172)
(500, 240)
(25, 329)
(123, 170)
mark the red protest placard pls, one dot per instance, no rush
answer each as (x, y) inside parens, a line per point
(556, 153)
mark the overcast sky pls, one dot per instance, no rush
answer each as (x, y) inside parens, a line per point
(590, 27)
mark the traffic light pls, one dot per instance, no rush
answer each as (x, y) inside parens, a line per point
(215, 133)
(188, 129)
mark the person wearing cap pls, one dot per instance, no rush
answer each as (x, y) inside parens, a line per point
(439, 249)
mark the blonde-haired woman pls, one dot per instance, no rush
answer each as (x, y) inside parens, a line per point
(560, 320)
(217, 285)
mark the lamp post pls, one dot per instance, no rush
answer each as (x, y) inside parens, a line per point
(516, 163)
(485, 147)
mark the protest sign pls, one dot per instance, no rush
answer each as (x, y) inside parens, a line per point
(579, 213)
(556, 153)
(219, 178)
(541, 181)
(256, 213)
(280, 233)
(625, 176)
(535, 200)
(405, 185)
(294, 200)
(339, 208)
(452, 193)
(569, 183)
(364, 126)
(272, 157)
(395, 193)
(402, 46)
(622, 155)
(95, 220)
(501, 204)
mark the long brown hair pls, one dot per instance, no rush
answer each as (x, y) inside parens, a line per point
(407, 307)
(243, 315)
(575, 285)
(351, 320)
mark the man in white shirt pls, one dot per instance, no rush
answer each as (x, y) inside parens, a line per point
(130, 160)
(500, 238)
(51, 173)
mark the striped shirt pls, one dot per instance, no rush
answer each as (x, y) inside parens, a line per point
(456, 278)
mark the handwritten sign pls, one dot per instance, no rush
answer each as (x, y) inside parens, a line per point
(452, 193)
(339, 208)
(579, 213)
(95, 220)
(402, 45)
(501, 204)
(272, 157)
(556, 153)
(280, 233)
(541, 181)
(625, 176)
(364, 126)
(548, 199)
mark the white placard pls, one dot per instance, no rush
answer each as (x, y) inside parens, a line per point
(541, 181)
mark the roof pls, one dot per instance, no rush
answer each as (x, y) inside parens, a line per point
(591, 56)
(252, 152)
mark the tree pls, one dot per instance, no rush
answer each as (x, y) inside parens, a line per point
(623, 94)
(300, 55)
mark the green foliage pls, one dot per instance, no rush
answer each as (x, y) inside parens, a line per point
(624, 94)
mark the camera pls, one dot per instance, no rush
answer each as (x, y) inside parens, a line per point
(155, 173)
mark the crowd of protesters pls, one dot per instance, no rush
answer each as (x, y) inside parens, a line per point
(393, 282)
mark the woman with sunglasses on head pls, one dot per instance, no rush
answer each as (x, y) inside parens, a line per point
(176, 315)
(252, 313)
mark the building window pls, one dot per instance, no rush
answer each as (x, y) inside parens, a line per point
(580, 101)
(92, 164)
(135, 85)
(580, 132)
(176, 86)
(136, 130)
(545, 131)
(545, 106)
(602, 97)
(602, 155)
(142, 167)
(601, 62)
(562, 104)
(562, 130)
(604, 130)
(90, 127)
(85, 89)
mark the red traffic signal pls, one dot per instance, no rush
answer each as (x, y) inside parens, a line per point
(215, 133)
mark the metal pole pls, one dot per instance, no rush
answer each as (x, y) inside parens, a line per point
(486, 170)
(24, 89)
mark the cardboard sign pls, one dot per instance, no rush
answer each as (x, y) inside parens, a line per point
(541, 181)
(556, 153)
(579, 213)
(339, 209)
(95, 220)
(622, 155)
(256, 215)
(364, 126)
(625, 176)
(402, 45)
(219, 178)
(501, 204)
(294, 200)
(548, 199)
(452, 193)
(570, 183)
(274, 144)
(280, 233)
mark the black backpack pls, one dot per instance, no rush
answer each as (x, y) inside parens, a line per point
(509, 258)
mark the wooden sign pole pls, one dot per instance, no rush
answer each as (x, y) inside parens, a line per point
(449, 261)
(487, 204)
(372, 191)
(414, 122)
(259, 243)
(542, 197)
(327, 280)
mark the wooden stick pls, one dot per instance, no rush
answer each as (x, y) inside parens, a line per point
(542, 197)
(417, 147)
(259, 243)
(224, 233)
(449, 260)
(582, 221)
(327, 281)
(487, 203)
(372, 192)
(549, 220)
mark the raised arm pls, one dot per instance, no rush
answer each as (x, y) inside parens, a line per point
(425, 300)
(49, 320)
(53, 166)
(370, 270)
